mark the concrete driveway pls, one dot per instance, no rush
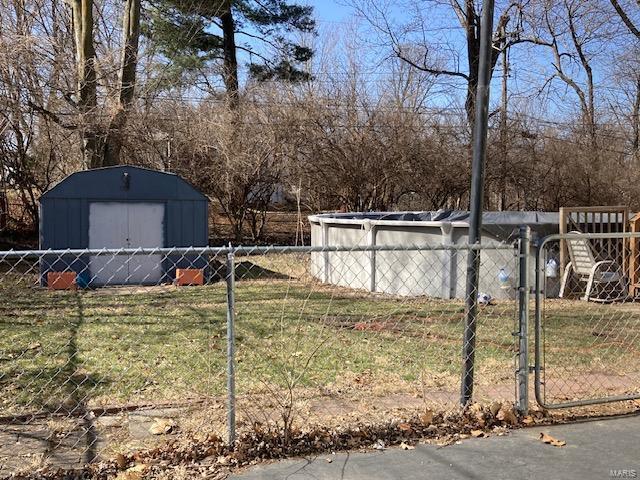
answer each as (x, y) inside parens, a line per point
(599, 449)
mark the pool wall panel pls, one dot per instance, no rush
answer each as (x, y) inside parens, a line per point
(433, 273)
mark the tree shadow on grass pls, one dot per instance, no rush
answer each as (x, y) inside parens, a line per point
(51, 392)
(79, 386)
(247, 270)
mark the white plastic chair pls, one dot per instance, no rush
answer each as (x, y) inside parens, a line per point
(604, 274)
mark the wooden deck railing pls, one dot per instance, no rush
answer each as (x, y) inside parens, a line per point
(601, 219)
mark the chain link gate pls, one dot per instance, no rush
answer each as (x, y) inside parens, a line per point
(587, 320)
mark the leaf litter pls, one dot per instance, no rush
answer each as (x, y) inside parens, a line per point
(210, 457)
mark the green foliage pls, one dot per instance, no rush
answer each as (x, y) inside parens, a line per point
(188, 34)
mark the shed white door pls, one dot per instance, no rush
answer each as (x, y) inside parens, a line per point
(126, 225)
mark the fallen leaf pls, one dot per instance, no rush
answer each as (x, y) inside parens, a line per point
(427, 417)
(208, 460)
(405, 427)
(162, 426)
(134, 473)
(34, 346)
(528, 420)
(539, 414)
(329, 460)
(406, 446)
(548, 439)
(477, 433)
(129, 476)
(352, 442)
(478, 414)
(507, 415)
(379, 445)
(121, 461)
(495, 408)
(240, 455)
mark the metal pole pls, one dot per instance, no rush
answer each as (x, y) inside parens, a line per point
(231, 374)
(477, 194)
(523, 320)
(540, 288)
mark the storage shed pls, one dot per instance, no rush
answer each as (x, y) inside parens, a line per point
(122, 207)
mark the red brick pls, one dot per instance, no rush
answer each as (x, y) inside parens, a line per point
(189, 276)
(61, 280)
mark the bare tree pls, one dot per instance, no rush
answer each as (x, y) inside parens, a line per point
(98, 148)
(635, 108)
(235, 155)
(87, 90)
(31, 144)
(573, 31)
(127, 77)
(415, 40)
(635, 120)
(359, 135)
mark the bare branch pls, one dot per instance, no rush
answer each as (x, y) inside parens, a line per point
(625, 18)
(51, 115)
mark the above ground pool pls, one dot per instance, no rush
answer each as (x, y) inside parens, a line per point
(434, 273)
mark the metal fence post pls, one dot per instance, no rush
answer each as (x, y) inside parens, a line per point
(231, 374)
(524, 241)
(477, 197)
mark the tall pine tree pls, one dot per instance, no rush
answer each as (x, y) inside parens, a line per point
(193, 33)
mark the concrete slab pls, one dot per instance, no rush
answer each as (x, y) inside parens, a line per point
(598, 449)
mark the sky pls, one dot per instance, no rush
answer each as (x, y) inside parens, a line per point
(330, 10)
(338, 13)
(531, 65)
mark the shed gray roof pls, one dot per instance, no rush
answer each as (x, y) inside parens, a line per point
(108, 184)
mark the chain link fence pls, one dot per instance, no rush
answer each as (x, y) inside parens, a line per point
(108, 351)
(587, 320)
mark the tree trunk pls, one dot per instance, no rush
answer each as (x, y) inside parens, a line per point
(472, 28)
(635, 120)
(82, 14)
(129, 63)
(230, 68)
(470, 101)
(588, 99)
